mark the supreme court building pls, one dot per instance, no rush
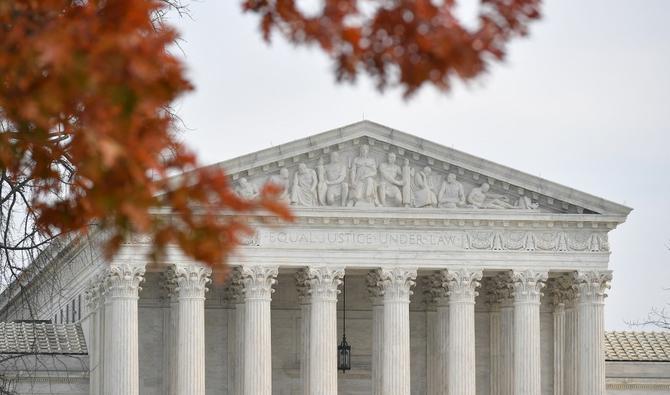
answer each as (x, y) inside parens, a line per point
(463, 277)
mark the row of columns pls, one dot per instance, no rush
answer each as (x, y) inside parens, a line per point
(515, 331)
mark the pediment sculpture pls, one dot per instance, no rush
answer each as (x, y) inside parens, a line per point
(380, 179)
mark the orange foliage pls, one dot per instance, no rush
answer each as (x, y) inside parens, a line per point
(403, 42)
(85, 84)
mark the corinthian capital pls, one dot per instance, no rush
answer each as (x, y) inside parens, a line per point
(375, 286)
(234, 291)
(323, 282)
(462, 284)
(397, 283)
(258, 281)
(593, 284)
(190, 280)
(562, 290)
(123, 279)
(528, 285)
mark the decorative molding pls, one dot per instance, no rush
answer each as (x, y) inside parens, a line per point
(123, 280)
(233, 293)
(324, 281)
(397, 283)
(593, 285)
(531, 241)
(190, 280)
(302, 285)
(528, 285)
(562, 289)
(462, 284)
(258, 281)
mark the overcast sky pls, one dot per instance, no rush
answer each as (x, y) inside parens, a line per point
(584, 101)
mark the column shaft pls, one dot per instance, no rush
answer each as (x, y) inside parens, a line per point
(527, 358)
(442, 347)
(570, 361)
(323, 329)
(305, 325)
(397, 284)
(432, 370)
(559, 349)
(591, 332)
(121, 358)
(461, 374)
(506, 376)
(191, 282)
(495, 338)
(377, 345)
(258, 281)
(173, 327)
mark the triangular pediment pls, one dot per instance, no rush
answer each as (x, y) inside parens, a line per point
(370, 165)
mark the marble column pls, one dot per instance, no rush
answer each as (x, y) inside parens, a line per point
(528, 285)
(560, 289)
(191, 284)
(396, 284)
(305, 302)
(462, 285)
(570, 360)
(501, 335)
(591, 288)
(507, 345)
(324, 282)
(375, 291)
(94, 339)
(122, 285)
(437, 311)
(170, 366)
(495, 344)
(258, 282)
(234, 295)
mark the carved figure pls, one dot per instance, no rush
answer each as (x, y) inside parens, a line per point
(304, 187)
(424, 195)
(321, 187)
(406, 184)
(332, 181)
(451, 193)
(480, 197)
(526, 203)
(391, 180)
(245, 189)
(363, 173)
(282, 180)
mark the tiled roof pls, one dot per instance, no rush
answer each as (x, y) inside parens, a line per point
(41, 338)
(637, 346)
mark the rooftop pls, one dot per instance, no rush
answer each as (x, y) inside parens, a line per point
(41, 338)
(637, 346)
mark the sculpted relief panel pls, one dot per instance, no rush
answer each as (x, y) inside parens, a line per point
(360, 177)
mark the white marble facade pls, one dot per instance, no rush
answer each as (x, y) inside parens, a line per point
(464, 277)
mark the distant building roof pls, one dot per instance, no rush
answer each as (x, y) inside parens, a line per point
(41, 338)
(637, 346)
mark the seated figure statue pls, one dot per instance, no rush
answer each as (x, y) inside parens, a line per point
(363, 184)
(480, 197)
(391, 181)
(451, 193)
(283, 182)
(333, 187)
(245, 189)
(304, 187)
(424, 196)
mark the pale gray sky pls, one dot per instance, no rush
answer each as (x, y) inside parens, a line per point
(584, 101)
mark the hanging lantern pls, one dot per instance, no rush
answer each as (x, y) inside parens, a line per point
(344, 349)
(344, 355)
